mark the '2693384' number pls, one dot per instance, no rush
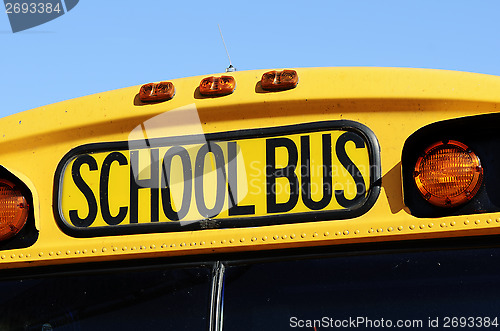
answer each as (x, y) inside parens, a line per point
(470, 322)
(32, 8)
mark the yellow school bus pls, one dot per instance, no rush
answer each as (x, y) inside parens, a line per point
(259, 200)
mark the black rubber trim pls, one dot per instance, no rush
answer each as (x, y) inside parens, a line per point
(345, 125)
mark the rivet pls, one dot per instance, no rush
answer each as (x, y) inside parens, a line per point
(326, 234)
(77, 252)
(488, 220)
(422, 226)
(193, 244)
(59, 252)
(51, 253)
(93, 251)
(371, 230)
(356, 232)
(412, 227)
(466, 222)
(303, 235)
(254, 238)
(202, 243)
(242, 240)
(292, 236)
(173, 245)
(184, 244)
(400, 228)
(152, 246)
(264, 238)
(143, 247)
(21, 256)
(430, 225)
(124, 248)
(498, 220)
(68, 252)
(380, 230)
(164, 246)
(275, 237)
(13, 256)
(443, 225)
(390, 229)
(223, 241)
(104, 249)
(28, 255)
(284, 236)
(3, 257)
(231, 240)
(452, 223)
(115, 249)
(133, 248)
(315, 234)
(84, 251)
(338, 233)
(40, 254)
(346, 232)
(477, 222)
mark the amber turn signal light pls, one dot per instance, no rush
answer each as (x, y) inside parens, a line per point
(157, 92)
(448, 174)
(279, 80)
(13, 210)
(217, 86)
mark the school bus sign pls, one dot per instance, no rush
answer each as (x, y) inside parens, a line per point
(305, 172)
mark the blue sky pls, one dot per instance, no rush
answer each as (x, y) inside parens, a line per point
(105, 45)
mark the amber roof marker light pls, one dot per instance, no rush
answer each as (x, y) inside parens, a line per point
(279, 80)
(156, 92)
(13, 209)
(217, 86)
(448, 174)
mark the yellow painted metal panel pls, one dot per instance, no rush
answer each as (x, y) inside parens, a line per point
(393, 103)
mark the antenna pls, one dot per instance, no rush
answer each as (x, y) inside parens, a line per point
(230, 68)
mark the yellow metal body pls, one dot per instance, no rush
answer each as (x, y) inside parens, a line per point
(393, 103)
